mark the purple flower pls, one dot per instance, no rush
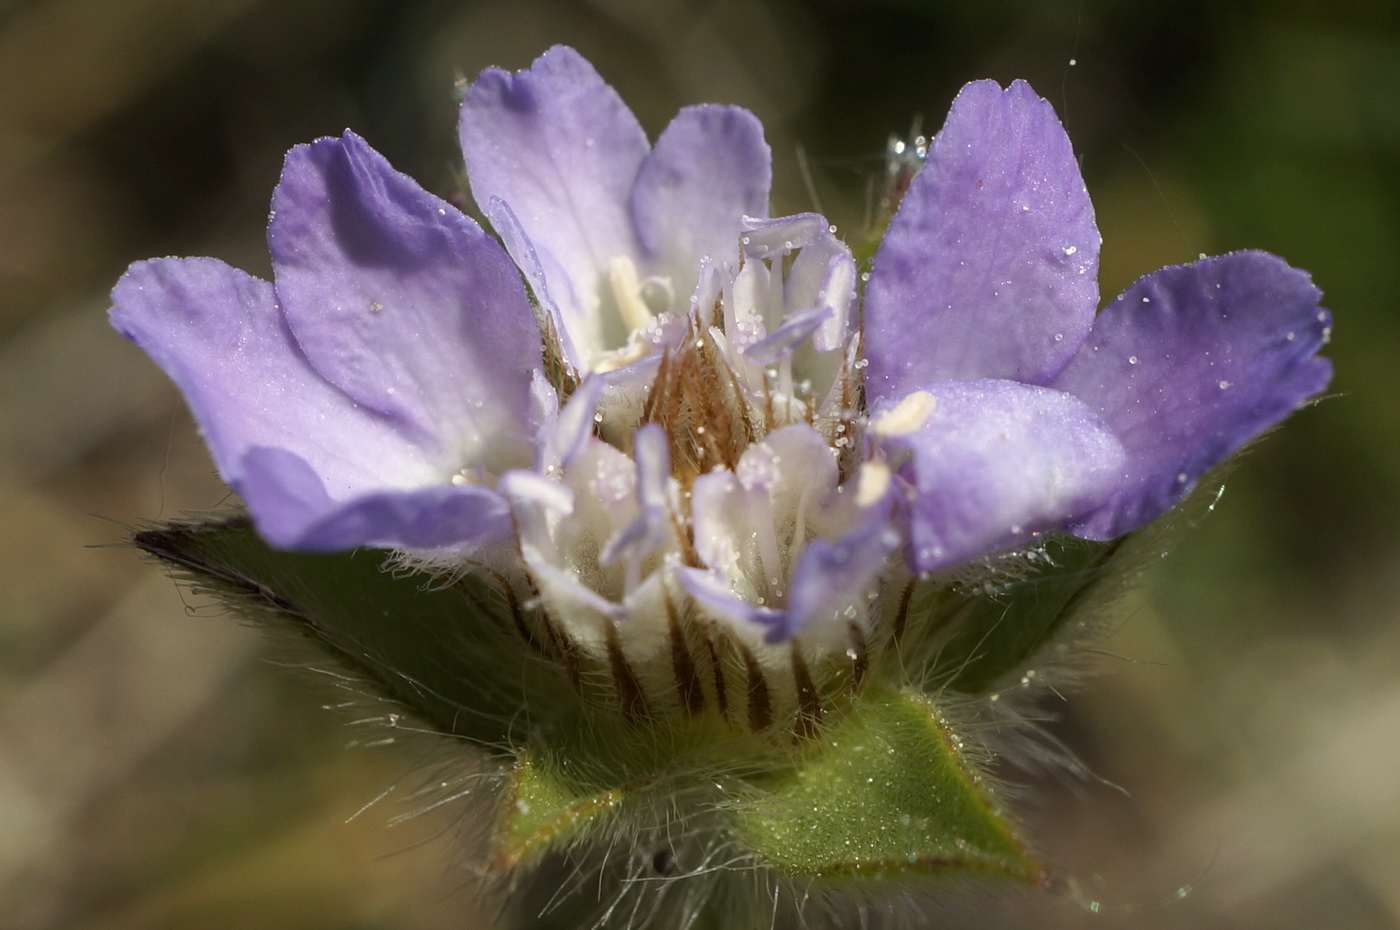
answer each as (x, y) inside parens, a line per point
(693, 420)
(1040, 414)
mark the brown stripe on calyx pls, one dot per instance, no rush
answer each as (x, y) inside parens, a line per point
(721, 692)
(760, 701)
(859, 654)
(688, 689)
(901, 617)
(809, 705)
(629, 690)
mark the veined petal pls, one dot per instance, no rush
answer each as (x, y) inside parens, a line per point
(710, 168)
(833, 575)
(1188, 365)
(294, 445)
(404, 303)
(293, 510)
(559, 146)
(990, 463)
(989, 269)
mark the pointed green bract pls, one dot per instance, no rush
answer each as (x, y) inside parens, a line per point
(882, 790)
(997, 634)
(886, 792)
(543, 809)
(439, 651)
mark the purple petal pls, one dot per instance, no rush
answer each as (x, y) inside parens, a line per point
(317, 469)
(218, 334)
(1188, 365)
(716, 595)
(293, 510)
(559, 146)
(709, 169)
(831, 574)
(990, 463)
(989, 269)
(404, 303)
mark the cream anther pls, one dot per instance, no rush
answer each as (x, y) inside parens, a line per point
(872, 482)
(904, 417)
(627, 291)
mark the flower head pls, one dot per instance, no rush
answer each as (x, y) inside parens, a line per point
(688, 456)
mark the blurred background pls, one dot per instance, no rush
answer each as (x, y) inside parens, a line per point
(159, 769)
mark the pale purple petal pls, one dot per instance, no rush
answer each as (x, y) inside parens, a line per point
(559, 146)
(317, 469)
(404, 303)
(217, 332)
(989, 463)
(292, 509)
(532, 266)
(1188, 365)
(776, 237)
(710, 168)
(989, 269)
(643, 536)
(833, 574)
(710, 591)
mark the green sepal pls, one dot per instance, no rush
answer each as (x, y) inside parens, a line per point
(999, 632)
(886, 793)
(436, 650)
(542, 809)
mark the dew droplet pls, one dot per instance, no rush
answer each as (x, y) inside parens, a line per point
(1224, 385)
(1132, 359)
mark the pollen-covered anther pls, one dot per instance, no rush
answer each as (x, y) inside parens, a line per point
(904, 417)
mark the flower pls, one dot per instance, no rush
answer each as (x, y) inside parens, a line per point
(694, 459)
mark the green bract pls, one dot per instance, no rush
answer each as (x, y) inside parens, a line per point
(881, 790)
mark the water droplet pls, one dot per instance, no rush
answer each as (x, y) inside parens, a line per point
(1073, 62)
(1147, 300)
(1291, 336)
(1132, 359)
(1224, 385)
(1059, 337)
(1180, 479)
(1070, 249)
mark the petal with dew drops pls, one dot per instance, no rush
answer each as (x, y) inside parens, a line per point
(404, 303)
(557, 144)
(1191, 363)
(711, 168)
(990, 463)
(290, 442)
(989, 269)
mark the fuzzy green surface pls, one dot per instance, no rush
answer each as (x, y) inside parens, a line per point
(884, 792)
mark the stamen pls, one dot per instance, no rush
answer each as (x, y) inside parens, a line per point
(872, 481)
(627, 292)
(906, 416)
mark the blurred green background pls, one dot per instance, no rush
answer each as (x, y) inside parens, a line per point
(158, 769)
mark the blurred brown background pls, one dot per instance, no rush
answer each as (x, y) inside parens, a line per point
(157, 771)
